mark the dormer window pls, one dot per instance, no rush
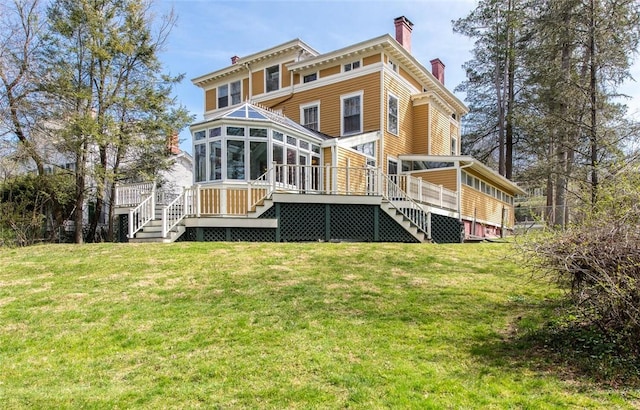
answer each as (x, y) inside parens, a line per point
(272, 76)
(351, 66)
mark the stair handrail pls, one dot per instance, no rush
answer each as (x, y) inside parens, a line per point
(173, 213)
(142, 214)
(414, 213)
(265, 181)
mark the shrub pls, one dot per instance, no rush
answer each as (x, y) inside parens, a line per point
(598, 261)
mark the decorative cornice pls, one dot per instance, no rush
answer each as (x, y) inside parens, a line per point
(242, 64)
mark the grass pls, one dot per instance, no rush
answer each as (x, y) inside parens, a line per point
(302, 326)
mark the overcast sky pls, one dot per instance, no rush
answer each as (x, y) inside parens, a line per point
(209, 32)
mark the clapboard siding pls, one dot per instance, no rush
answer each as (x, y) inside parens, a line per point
(395, 145)
(257, 82)
(482, 207)
(445, 177)
(329, 71)
(420, 129)
(211, 99)
(440, 133)
(376, 58)
(329, 98)
(410, 79)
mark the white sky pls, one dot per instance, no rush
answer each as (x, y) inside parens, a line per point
(209, 32)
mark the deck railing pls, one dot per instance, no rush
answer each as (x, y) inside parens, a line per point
(133, 194)
(405, 204)
(428, 193)
(241, 199)
(142, 214)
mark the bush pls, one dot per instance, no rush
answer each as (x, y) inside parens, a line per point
(598, 261)
(27, 207)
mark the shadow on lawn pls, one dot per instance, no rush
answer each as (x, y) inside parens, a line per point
(569, 350)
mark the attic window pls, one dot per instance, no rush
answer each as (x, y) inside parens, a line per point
(310, 77)
(351, 66)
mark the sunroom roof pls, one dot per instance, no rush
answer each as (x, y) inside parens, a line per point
(253, 112)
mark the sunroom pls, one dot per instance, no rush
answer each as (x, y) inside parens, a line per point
(239, 145)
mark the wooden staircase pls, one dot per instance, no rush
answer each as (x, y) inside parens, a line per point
(152, 230)
(405, 222)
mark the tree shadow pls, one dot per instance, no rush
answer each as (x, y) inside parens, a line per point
(569, 350)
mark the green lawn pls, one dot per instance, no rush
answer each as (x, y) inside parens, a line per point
(243, 325)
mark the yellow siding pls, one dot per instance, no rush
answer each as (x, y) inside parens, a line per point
(476, 205)
(257, 82)
(440, 133)
(210, 99)
(245, 88)
(330, 71)
(329, 97)
(372, 59)
(355, 180)
(395, 145)
(410, 79)
(446, 177)
(285, 75)
(420, 129)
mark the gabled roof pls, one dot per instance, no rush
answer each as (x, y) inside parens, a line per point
(244, 63)
(252, 112)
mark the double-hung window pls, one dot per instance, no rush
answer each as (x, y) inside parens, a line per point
(310, 116)
(392, 115)
(223, 94)
(235, 92)
(272, 76)
(351, 114)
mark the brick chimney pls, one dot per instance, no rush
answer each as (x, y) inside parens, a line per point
(403, 31)
(234, 59)
(173, 144)
(437, 69)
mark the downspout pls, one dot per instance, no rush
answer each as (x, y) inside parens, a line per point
(248, 66)
(381, 161)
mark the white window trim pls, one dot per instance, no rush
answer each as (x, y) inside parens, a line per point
(317, 73)
(392, 65)
(344, 97)
(279, 78)
(351, 63)
(389, 96)
(229, 101)
(309, 105)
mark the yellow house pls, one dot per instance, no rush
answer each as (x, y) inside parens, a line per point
(361, 143)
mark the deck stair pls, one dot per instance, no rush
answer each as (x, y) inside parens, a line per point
(152, 230)
(405, 222)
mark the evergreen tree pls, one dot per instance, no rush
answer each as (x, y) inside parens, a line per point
(110, 90)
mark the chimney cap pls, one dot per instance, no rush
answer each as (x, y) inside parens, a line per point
(403, 19)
